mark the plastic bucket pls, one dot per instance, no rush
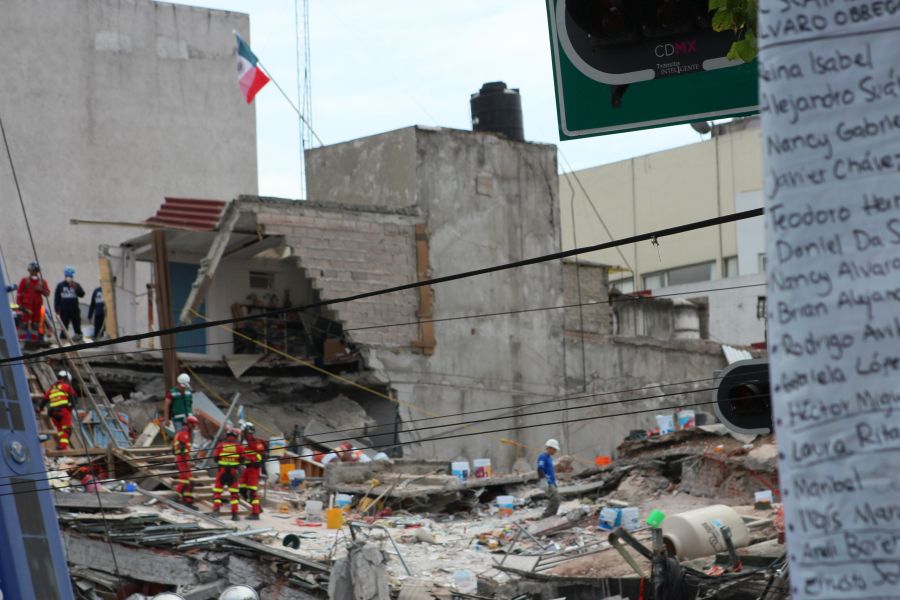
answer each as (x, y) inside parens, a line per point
(666, 423)
(460, 469)
(296, 477)
(602, 461)
(285, 469)
(313, 509)
(277, 445)
(343, 501)
(506, 505)
(609, 518)
(631, 518)
(334, 518)
(482, 468)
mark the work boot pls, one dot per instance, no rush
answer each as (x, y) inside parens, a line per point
(214, 511)
(235, 517)
(253, 517)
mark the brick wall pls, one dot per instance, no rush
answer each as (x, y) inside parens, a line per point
(348, 252)
(594, 281)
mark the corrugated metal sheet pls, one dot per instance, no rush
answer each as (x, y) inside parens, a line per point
(732, 355)
(189, 213)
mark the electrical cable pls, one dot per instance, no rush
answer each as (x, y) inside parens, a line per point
(747, 214)
(395, 444)
(572, 173)
(486, 420)
(31, 358)
(55, 332)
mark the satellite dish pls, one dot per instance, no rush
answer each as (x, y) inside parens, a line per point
(701, 127)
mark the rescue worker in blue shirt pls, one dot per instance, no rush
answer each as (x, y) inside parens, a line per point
(65, 303)
(97, 311)
(547, 475)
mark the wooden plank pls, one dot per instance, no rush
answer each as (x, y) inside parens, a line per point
(108, 288)
(426, 339)
(164, 307)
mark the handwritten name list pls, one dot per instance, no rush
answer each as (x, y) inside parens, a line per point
(830, 106)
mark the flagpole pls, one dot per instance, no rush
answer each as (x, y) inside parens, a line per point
(291, 102)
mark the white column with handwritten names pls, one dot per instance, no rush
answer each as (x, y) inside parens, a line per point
(830, 107)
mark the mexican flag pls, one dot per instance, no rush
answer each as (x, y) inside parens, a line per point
(250, 77)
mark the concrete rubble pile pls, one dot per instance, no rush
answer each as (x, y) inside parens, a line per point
(420, 531)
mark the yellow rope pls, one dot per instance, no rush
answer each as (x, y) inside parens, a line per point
(215, 395)
(409, 405)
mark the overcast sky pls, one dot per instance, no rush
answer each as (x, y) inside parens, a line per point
(378, 66)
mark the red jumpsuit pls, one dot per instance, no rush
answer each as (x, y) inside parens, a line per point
(61, 396)
(182, 449)
(254, 455)
(30, 298)
(228, 456)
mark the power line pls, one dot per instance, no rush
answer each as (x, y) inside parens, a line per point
(477, 421)
(572, 173)
(747, 214)
(408, 443)
(33, 358)
(55, 333)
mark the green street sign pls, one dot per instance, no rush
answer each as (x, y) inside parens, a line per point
(623, 65)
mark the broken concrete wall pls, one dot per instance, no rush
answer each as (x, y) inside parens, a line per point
(486, 200)
(616, 364)
(346, 250)
(594, 287)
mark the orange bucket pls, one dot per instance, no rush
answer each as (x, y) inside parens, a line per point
(334, 518)
(602, 461)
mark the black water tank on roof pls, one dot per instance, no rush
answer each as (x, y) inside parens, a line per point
(498, 109)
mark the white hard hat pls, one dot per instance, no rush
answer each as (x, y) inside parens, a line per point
(552, 443)
(184, 379)
(239, 592)
(64, 375)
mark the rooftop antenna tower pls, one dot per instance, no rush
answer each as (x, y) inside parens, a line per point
(304, 86)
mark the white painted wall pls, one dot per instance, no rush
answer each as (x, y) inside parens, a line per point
(109, 106)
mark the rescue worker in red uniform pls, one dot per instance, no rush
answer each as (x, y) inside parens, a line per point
(228, 456)
(254, 455)
(61, 398)
(30, 297)
(181, 447)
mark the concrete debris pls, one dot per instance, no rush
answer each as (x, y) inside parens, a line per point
(360, 575)
(457, 524)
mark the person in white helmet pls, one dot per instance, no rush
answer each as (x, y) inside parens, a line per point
(180, 401)
(547, 475)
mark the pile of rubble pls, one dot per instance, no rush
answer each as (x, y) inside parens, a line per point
(440, 535)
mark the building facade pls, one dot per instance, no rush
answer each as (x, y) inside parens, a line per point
(109, 106)
(715, 177)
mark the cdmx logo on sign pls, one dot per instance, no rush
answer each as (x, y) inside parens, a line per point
(685, 47)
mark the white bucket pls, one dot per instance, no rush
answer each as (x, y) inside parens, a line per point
(296, 477)
(666, 424)
(482, 468)
(460, 469)
(631, 518)
(696, 533)
(314, 509)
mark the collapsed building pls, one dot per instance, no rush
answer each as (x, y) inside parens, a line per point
(387, 210)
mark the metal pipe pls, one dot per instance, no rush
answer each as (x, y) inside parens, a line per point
(353, 524)
(221, 536)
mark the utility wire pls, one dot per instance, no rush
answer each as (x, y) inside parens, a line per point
(476, 421)
(398, 444)
(32, 358)
(573, 174)
(747, 214)
(55, 333)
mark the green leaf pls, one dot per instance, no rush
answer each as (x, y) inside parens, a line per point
(744, 50)
(723, 20)
(717, 4)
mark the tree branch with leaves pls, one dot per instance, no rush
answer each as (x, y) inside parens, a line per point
(738, 16)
